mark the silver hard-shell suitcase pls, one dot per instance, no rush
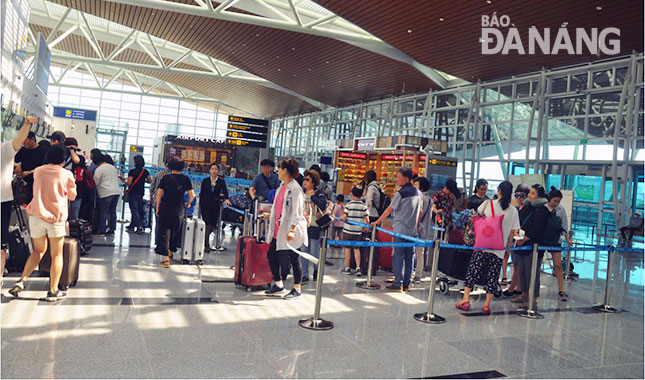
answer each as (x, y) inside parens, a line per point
(192, 241)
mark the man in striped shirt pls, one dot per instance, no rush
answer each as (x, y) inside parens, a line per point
(355, 211)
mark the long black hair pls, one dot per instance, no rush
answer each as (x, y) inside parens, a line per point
(506, 188)
(451, 185)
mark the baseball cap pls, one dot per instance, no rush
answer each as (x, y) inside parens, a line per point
(31, 135)
(57, 136)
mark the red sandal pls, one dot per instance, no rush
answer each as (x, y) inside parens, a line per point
(486, 310)
(463, 306)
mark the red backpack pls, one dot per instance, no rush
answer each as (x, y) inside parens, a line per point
(83, 175)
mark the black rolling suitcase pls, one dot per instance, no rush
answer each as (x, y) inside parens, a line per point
(71, 263)
(81, 230)
(20, 245)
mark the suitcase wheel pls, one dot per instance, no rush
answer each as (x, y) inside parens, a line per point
(199, 262)
(185, 262)
(443, 287)
(248, 289)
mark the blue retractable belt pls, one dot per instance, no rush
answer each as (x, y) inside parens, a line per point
(237, 210)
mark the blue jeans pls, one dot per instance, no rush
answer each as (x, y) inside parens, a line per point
(136, 209)
(75, 208)
(313, 250)
(402, 257)
(107, 213)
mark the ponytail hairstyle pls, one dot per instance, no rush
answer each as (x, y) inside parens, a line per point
(555, 193)
(506, 188)
(540, 190)
(291, 166)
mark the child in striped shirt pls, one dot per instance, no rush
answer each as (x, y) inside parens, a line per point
(355, 211)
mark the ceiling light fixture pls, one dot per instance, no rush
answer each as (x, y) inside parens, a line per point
(279, 70)
(441, 19)
(340, 81)
(599, 8)
(257, 34)
(327, 62)
(277, 57)
(309, 69)
(489, 2)
(293, 49)
(409, 31)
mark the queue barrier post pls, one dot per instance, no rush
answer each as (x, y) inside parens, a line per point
(317, 323)
(567, 271)
(529, 312)
(369, 285)
(606, 307)
(429, 316)
(218, 233)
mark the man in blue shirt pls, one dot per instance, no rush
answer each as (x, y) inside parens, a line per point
(264, 182)
(406, 206)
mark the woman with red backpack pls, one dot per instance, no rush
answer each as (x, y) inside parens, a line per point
(84, 186)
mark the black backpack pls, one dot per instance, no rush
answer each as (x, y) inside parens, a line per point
(383, 201)
(553, 229)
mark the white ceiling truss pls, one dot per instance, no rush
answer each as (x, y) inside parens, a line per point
(302, 16)
(105, 75)
(95, 29)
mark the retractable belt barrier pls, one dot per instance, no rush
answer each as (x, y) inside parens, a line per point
(237, 210)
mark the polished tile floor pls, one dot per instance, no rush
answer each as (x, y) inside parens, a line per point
(129, 318)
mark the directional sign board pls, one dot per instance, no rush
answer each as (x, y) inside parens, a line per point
(244, 131)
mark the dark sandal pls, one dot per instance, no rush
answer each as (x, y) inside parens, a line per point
(504, 282)
(165, 262)
(563, 296)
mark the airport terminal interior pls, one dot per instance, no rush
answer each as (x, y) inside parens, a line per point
(310, 123)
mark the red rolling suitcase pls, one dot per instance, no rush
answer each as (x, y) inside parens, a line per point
(384, 253)
(252, 268)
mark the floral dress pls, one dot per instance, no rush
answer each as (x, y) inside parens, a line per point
(447, 203)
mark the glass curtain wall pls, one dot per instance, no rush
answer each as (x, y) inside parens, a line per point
(142, 117)
(511, 127)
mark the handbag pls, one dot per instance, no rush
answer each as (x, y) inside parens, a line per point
(325, 219)
(126, 195)
(488, 231)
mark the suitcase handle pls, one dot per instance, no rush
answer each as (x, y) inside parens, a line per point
(21, 222)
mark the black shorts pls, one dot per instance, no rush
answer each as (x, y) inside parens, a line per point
(352, 237)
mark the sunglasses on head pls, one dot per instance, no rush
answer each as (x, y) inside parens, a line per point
(307, 179)
(519, 195)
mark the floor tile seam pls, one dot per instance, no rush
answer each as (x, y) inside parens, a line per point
(394, 371)
(611, 346)
(578, 369)
(561, 356)
(261, 352)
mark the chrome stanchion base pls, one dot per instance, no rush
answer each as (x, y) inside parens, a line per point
(319, 324)
(606, 309)
(368, 286)
(429, 318)
(530, 314)
(218, 249)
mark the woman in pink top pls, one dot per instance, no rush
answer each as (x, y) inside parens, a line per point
(54, 187)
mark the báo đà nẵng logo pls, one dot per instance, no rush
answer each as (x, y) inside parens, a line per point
(500, 36)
